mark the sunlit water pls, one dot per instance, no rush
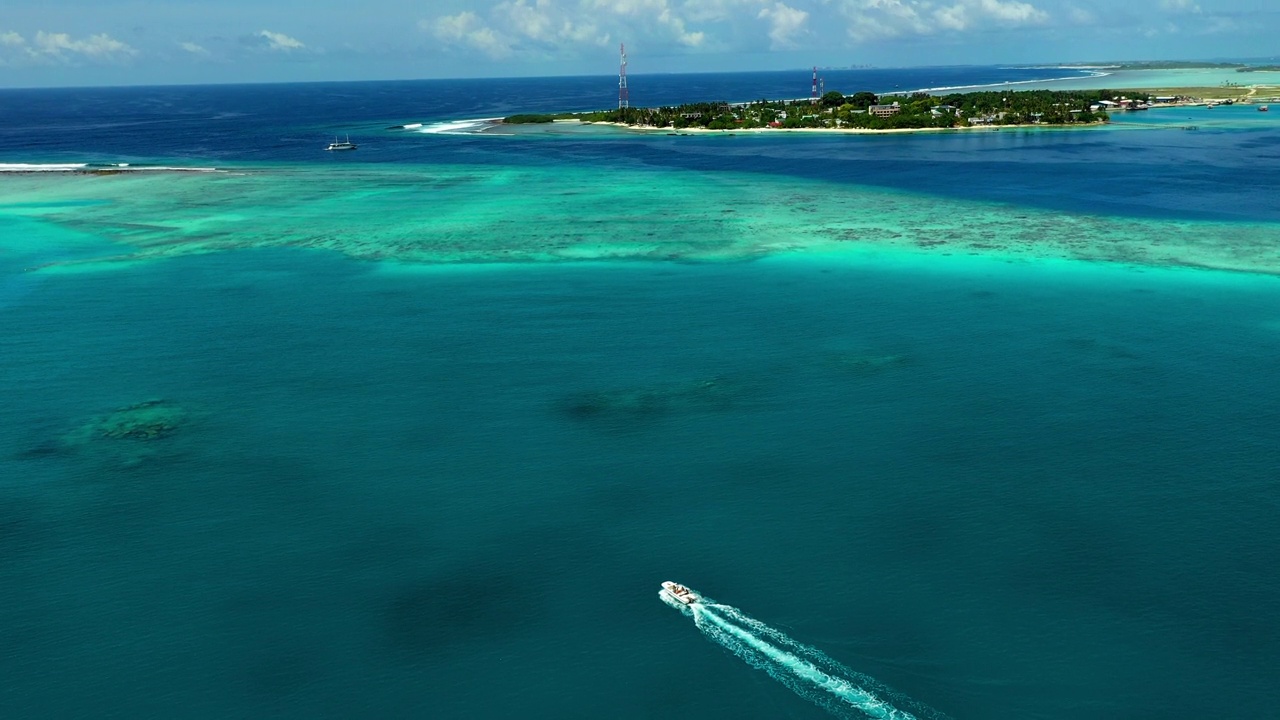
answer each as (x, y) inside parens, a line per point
(431, 422)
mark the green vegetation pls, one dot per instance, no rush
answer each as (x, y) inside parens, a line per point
(1158, 65)
(533, 119)
(865, 110)
(1259, 68)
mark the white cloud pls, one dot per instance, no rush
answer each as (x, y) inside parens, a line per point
(698, 11)
(785, 24)
(532, 21)
(1013, 13)
(1080, 16)
(955, 17)
(467, 29)
(194, 48)
(584, 33)
(872, 19)
(661, 12)
(546, 24)
(46, 47)
(1180, 6)
(542, 29)
(13, 49)
(280, 41)
(551, 27)
(101, 46)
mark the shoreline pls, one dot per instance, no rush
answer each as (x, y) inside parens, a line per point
(650, 129)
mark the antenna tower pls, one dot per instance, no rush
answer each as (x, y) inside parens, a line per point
(624, 95)
(814, 96)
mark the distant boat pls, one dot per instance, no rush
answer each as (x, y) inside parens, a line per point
(1263, 108)
(345, 145)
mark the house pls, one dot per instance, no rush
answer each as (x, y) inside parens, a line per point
(939, 110)
(884, 110)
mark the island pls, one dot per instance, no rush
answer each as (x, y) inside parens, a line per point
(866, 111)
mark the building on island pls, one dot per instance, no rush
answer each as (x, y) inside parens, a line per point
(885, 110)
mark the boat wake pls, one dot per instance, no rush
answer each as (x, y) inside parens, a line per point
(807, 671)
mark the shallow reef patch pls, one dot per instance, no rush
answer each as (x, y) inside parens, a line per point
(655, 401)
(129, 435)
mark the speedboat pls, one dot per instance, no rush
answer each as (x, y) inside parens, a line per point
(347, 145)
(680, 593)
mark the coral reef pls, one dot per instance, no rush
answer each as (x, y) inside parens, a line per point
(130, 434)
(710, 394)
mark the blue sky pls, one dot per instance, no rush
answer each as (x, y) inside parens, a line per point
(94, 42)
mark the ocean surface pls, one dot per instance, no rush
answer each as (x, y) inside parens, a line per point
(959, 425)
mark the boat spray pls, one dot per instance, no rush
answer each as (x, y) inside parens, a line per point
(807, 671)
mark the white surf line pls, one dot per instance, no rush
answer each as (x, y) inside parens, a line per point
(998, 85)
(452, 127)
(805, 670)
(41, 167)
(25, 168)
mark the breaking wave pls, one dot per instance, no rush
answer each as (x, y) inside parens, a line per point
(807, 671)
(95, 168)
(955, 88)
(455, 127)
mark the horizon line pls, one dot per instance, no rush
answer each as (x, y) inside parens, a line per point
(1064, 65)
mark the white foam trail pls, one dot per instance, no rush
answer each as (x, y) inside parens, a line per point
(805, 670)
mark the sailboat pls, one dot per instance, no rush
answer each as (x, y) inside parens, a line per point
(345, 145)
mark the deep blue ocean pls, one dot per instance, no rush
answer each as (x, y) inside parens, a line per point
(1043, 490)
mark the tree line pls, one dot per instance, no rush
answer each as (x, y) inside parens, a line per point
(835, 109)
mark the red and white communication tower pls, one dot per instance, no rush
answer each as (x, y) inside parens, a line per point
(624, 95)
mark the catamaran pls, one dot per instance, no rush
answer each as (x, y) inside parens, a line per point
(680, 593)
(346, 145)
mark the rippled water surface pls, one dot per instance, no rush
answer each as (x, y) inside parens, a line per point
(984, 422)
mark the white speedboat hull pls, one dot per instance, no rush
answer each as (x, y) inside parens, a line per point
(680, 593)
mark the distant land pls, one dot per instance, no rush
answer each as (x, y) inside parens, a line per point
(868, 112)
(1267, 64)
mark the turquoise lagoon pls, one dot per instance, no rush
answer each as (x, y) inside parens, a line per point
(419, 437)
